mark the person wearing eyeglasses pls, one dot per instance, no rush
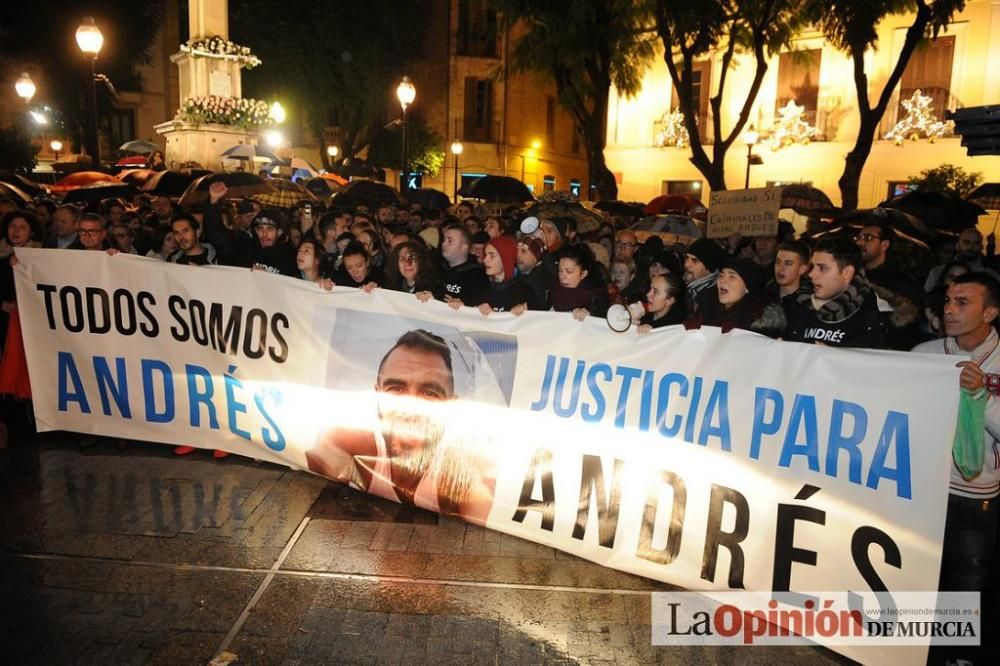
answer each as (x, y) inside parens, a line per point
(92, 232)
(626, 243)
(901, 292)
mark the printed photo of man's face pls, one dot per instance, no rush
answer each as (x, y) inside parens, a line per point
(413, 381)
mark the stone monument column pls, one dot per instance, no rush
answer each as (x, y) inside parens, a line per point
(202, 75)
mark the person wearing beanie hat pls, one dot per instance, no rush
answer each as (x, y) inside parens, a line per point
(507, 292)
(553, 232)
(740, 302)
(503, 248)
(530, 252)
(701, 267)
(533, 245)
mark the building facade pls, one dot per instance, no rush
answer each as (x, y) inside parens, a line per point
(959, 69)
(506, 125)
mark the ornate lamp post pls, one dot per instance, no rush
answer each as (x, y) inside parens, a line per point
(406, 92)
(456, 150)
(90, 40)
(750, 137)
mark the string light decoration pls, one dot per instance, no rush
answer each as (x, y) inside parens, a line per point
(790, 127)
(673, 133)
(919, 121)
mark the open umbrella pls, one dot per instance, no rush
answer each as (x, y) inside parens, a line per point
(15, 193)
(26, 185)
(429, 198)
(621, 208)
(366, 193)
(986, 195)
(908, 227)
(355, 168)
(325, 185)
(244, 151)
(683, 204)
(139, 147)
(91, 194)
(805, 199)
(284, 194)
(134, 161)
(586, 220)
(498, 189)
(136, 177)
(82, 179)
(171, 183)
(241, 185)
(938, 210)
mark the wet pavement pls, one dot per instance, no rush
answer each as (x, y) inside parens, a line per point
(137, 556)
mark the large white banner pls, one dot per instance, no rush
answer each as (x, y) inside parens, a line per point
(704, 460)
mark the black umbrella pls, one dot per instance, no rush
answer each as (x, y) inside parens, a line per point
(26, 185)
(240, 183)
(99, 191)
(498, 189)
(322, 187)
(366, 193)
(353, 168)
(805, 199)
(938, 210)
(171, 183)
(15, 193)
(909, 226)
(428, 198)
(621, 208)
(986, 195)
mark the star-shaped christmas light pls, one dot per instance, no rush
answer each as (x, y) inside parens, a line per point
(790, 127)
(673, 133)
(919, 121)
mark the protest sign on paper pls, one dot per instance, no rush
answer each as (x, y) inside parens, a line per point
(745, 212)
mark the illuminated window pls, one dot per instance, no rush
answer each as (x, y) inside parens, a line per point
(691, 187)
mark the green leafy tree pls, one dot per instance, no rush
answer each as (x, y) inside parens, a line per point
(424, 153)
(335, 61)
(584, 47)
(694, 30)
(43, 37)
(947, 179)
(852, 27)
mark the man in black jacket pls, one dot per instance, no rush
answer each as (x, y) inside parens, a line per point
(842, 311)
(465, 281)
(266, 248)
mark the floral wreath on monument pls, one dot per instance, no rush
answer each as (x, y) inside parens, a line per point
(219, 47)
(240, 111)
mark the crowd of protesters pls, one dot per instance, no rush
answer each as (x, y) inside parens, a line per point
(861, 290)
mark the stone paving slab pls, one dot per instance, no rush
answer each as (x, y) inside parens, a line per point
(145, 558)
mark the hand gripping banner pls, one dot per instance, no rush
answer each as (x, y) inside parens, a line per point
(707, 461)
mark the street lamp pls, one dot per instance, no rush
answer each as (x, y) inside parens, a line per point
(750, 137)
(56, 146)
(332, 151)
(456, 150)
(274, 138)
(278, 112)
(535, 146)
(25, 88)
(406, 92)
(90, 40)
